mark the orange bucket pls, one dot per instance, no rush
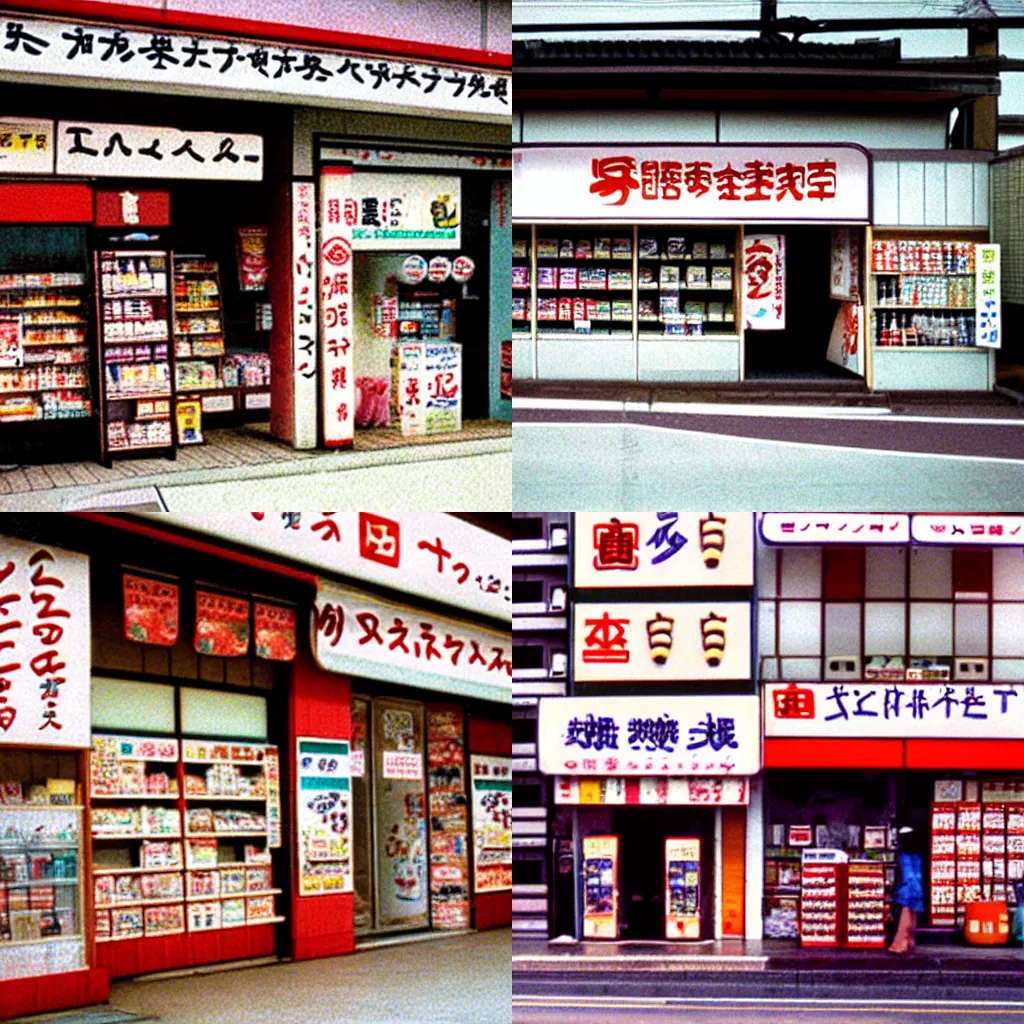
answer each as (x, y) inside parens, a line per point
(987, 924)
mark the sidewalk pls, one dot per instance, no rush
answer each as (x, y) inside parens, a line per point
(769, 968)
(471, 469)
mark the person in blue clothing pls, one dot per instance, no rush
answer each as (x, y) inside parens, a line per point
(908, 897)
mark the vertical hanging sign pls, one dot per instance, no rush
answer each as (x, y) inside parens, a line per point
(304, 354)
(150, 610)
(275, 632)
(764, 282)
(337, 382)
(988, 286)
(222, 625)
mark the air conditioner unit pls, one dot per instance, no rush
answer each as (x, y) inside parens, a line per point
(842, 666)
(559, 666)
(559, 537)
(557, 602)
(970, 669)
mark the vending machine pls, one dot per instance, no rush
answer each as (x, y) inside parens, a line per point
(601, 887)
(682, 888)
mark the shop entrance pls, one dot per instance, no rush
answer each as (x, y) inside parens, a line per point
(642, 833)
(798, 351)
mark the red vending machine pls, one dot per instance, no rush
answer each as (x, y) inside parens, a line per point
(682, 889)
(943, 880)
(601, 887)
(823, 897)
(865, 916)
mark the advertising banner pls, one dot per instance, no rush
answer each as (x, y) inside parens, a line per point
(275, 631)
(664, 642)
(629, 736)
(988, 286)
(846, 343)
(12, 349)
(150, 610)
(304, 307)
(764, 282)
(655, 790)
(964, 528)
(430, 388)
(45, 700)
(492, 822)
(26, 147)
(222, 625)
(664, 549)
(682, 888)
(253, 261)
(835, 528)
(324, 823)
(600, 887)
(449, 828)
(403, 211)
(846, 257)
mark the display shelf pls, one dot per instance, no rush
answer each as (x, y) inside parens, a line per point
(240, 895)
(137, 835)
(35, 882)
(133, 796)
(227, 835)
(137, 903)
(136, 871)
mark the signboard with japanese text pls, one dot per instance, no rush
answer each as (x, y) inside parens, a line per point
(359, 635)
(835, 528)
(304, 307)
(964, 528)
(150, 610)
(662, 643)
(137, 151)
(895, 710)
(274, 626)
(26, 146)
(399, 211)
(988, 287)
(337, 376)
(430, 387)
(658, 790)
(846, 256)
(629, 736)
(430, 554)
(491, 782)
(324, 824)
(222, 625)
(764, 282)
(846, 343)
(207, 65)
(694, 184)
(663, 549)
(47, 660)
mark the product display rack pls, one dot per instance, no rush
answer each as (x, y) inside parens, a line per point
(522, 284)
(135, 352)
(154, 877)
(52, 381)
(781, 893)
(823, 891)
(968, 857)
(41, 909)
(923, 293)
(943, 865)
(866, 902)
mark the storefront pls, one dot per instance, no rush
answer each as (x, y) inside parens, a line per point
(890, 668)
(168, 274)
(229, 794)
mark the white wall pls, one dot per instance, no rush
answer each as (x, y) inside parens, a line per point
(618, 126)
(875, 131)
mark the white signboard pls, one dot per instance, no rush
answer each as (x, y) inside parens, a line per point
(835, 528)
(404, 211)
(337, 376)
(358, 635)
(764, 282)
(740, 184)
(324, 817)
(430, 387)
(204, 64)
(45, 646)
(26, 147)
(655, 790)
(430, 554)
(704, 736)
(895, 710)
(304, 309)
(988, 287)
(137, 151)
(664, 549)
(939, 528)
(663, 642)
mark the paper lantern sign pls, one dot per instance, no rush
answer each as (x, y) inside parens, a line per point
(150, 611)
(275, 632)
(414, 269)
(463, 269)
(440, 269)
(222, 625)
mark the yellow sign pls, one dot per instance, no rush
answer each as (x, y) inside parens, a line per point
(26, 147)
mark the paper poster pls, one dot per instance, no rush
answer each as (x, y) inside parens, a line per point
(222, 625)
(764, 282)
(492, 822)
(272, 767)
(403, 211)
(846, 343)
(253, 262)
(150, 610)
(46, 638)
(190, 421)
(682, 888)
(12, 352)
(845, 270)
(600, 887)
(988, 286)
(275, 631)
(449, 853)
(429, 388)
(324, 817)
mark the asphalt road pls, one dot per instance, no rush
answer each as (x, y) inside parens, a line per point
(529, 1010)
(623, 465)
